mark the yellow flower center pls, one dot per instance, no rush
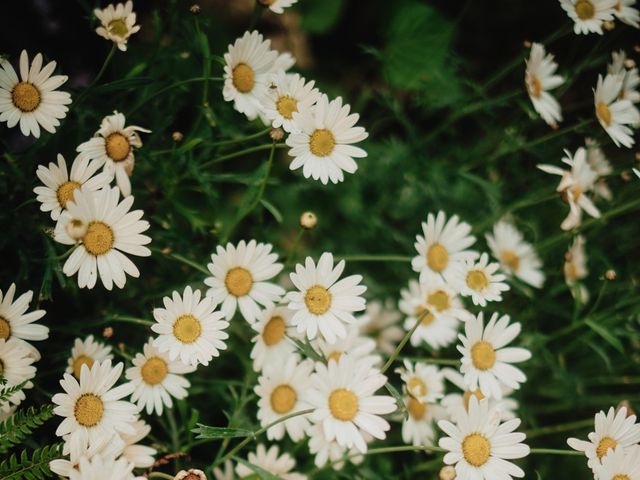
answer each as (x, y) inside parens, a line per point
(286, 105)
(283, 399)
(343, 404)
(466, 397)
(483, 355)
(322, 142)
(439, 299)
(535, 86)
(187, 328)
(99, 238)
(26, 97)
(477, 280)
(5, 329)
(238, 281)
(79, 362)
(426, 319)
(603, 447)
(476, 449)
(437, 257)
(585, 9)
(603, 113)
(118, 27)
(318, 300)
(117, 147)
(621, 477)
(416, 408)
(416, 387)
(510, 259)
(267, 2)
(65, 192)
(273, 331)
(154, 371)
(334, 356)
(88, 410)
(243, 78)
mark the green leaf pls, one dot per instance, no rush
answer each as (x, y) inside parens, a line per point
(261, 472)
(15, 428)
(272, 209)
(205, 431)
(319, 17)
(606, 335)
(399, 400)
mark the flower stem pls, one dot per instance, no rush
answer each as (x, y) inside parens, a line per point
(404, 341)
(294, 246)
(184, 260)
(374, 258)
(97, 78)
(240, 153)
(552, 451)
(564, 427)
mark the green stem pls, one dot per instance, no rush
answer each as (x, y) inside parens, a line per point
(125, 319)
(294, 246)
(184, 260)
(565, 427)
(374, 258)
(434, 361)
(552, 451)
(240, 153)
(222, 143)
(175, 434)
(97, 78)
(404, 341)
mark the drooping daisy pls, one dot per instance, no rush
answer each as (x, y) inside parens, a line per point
(575, 269)
(282, 390)
(87, 352)
(480, 446)
(118, 23)
(612, 430)
(343, 395)
(290, 93)
(486, 359)
(422, 382)
(624, 11)
(156, 379)
(189, 328)
(417, 427)
(277, 6)
(444, 244)
(589, 15)
(93, 408)
(271, 461)
(15, 367)
(616, 115)
(599, 164)
(240, 278)
(540, 77)
(141, 456)
(324, 303)
(516, 256)
(328, 451)
(631, 79)
(18, 325)
(32, 99)
(112, 146)
(323, 143)
(109, 231)
(480, 280)
(271, 345)
(357, 346)
(100, 468)
(59, 185)
(620, 464)
(381, 321)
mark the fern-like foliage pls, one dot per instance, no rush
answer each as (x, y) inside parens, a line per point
(34, 466)
(7, 392)
(15, 428)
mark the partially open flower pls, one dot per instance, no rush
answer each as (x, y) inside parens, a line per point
(191, 474)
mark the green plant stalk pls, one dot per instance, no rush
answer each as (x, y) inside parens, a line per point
(184, 260)
(404, 341)
(374, 258)
(97, 78)
(171, 87)
(175, 435)
(564, 427)
(294, 247)
(241, 153)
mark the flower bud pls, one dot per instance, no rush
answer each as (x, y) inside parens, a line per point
(308, 220)
(276, 134)
(76, 229)
(177, 136)
(191, 474)
(447, 473)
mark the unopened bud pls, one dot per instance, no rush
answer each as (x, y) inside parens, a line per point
(610, 274)
(637, 156)
(121, 346)
(625, 404)
(308, 220)
(191, 474)
(625, 175)
(177, 136)
(276, 134)
(630, 63)
(609, 25)
(76, 229)
(447, 473)
(107, 332)
(527, 44)
(195, 9)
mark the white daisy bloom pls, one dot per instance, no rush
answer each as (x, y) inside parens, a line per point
(17, 324)
(323, 144)
(109, 230)
(599, 164)
(32, 100)
(343, 394)
(271, 461)
(480, 446)
(589, 15)
(620, 464)
(240, 278)
(112, 146)
(277, 6)
(575, 268)
(624, 11)
(93, 408)
(480, 280)
(612, 430)
(616, 115)
(282, 390)
(99, 468)
(156, 379)
(270, 344)
(423, 382)
(444, 244)
(107, 447)
(288, 94)
(328, 451)
(87, 352)
(631, 78)
(417, 426)
(117, 23)
(516, 256)
(140, 456)
(540, 77)
(218, 473)
(381, 321)
(486, 359)
(357, 346)
(15, 367)
(324, 303)
(189, 328)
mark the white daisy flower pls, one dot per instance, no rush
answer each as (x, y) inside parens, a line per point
(218, 473)
(282, 390)
(357, 346)
(271, 345)
(87, 352)
(328, 451)
(480, 280)
(540, 77)
(107, 447)
(189, 328)
(444, 244)
(631, 79)
(92, 408)
(423, 382)
(288, 94)
(99, 468)
(18, 325)
(575, 268)
(381, 321)
(15, 367)
(59, 185)
(480, 446)
(141, 456)
(343, 394)
(271, 461)
(118, 23)
(616, 115)
(599, 164)
(277, 6)
(516, 256)
(240, 275)
(612, 430)
(156, 379)
(109, 231)
(417, 426)
(486, 361)
(620, 464)
(324, 303)
(33, 99)
(624, 11)
(112, 146)
(589, 15)
(195, 474)
(323, 144)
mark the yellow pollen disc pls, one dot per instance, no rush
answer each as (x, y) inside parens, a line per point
(238, 281)
(117, 147)
(99, 238)
(318, 300)
(187, 328)
(477, 280)
(322, 142)
(466, 397)
(88, 410)
(267, 2)
(154, 371)
(118, 27)
(79, 362)
(286, 105)
(603, 113)
(334, 356)
(65, 192)
(416, 408)
(283, 399)
(585, 9)
(243, 78)
(483, 355)
(343, 404)
(439, 299)
(25, 97)
(535, 86)
(273, 331)
(476, 449)
(416, 387)
(437, 257)
(5, 329)
(427, 319)
(603, 447)
(621, 477)
(510, 259)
